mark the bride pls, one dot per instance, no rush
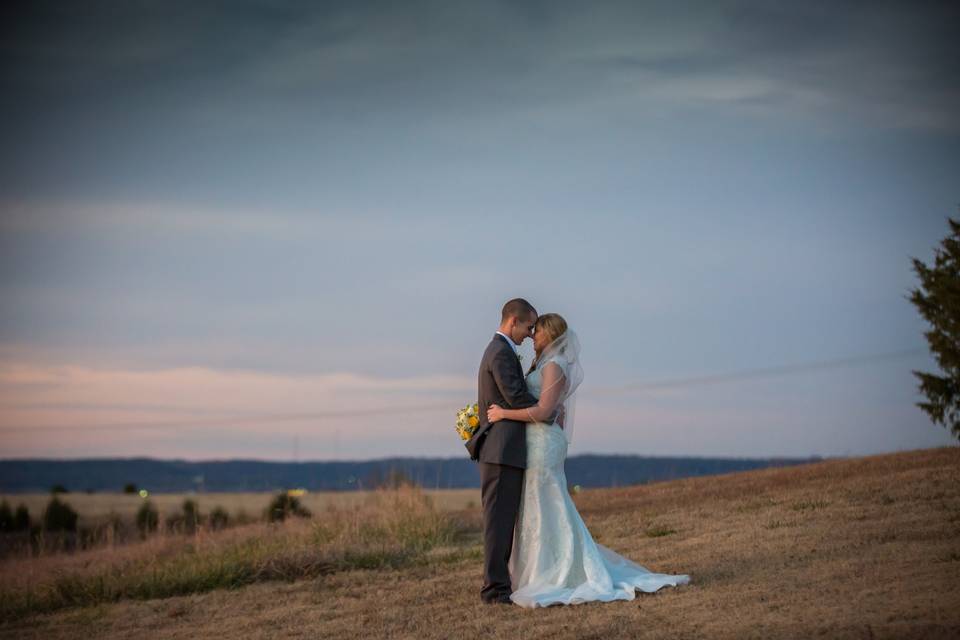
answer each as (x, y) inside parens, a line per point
(554, 559)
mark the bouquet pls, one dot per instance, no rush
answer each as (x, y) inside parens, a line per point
(468, 419)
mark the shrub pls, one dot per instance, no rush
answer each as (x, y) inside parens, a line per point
(283, 506)
(147, 518)
(6, 517)
(130, 488)
(58, 488)
(21, 519)
(191, 516)
(219, 519)
(186, 520)
(59, 516)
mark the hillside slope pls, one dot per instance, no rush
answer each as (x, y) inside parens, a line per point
(860, 548)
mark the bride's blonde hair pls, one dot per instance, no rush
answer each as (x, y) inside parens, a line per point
(554, 325)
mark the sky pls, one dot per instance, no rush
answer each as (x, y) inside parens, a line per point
(285, 230)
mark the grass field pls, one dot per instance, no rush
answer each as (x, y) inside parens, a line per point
(854, 548)
(94, 508)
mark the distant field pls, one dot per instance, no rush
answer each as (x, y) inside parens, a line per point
(856, 548)
(95, 507)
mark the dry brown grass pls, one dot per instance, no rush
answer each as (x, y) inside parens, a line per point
(862, 548)
(387, 529)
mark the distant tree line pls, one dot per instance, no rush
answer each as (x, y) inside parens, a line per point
(170, 476)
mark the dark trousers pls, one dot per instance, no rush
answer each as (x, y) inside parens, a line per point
(500, 489)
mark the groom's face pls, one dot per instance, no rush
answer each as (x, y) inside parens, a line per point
(523, 328)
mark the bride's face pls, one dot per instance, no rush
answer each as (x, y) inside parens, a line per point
(541, 338)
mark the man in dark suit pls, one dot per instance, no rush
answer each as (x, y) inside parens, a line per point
(501, 447)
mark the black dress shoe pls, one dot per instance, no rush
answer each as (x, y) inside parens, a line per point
(500, 599)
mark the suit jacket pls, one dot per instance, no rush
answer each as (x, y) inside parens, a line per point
(500, 381)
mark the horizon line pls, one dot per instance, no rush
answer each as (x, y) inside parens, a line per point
(422, 458)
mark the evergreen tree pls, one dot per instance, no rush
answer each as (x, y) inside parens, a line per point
(938, 301)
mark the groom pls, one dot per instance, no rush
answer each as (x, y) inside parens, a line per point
(501, 448)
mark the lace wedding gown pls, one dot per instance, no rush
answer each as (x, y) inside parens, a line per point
(554, 559)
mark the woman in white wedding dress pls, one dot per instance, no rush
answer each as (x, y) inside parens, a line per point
(554, 558)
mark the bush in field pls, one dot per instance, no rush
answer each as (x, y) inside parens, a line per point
(59, 516)
(187, 520)
(6, 517)
(219, 518)
(21, 518)
(130, 488)
(191, 516)
(14, 521)
(283, 506)
(58, 488)
(147, 518)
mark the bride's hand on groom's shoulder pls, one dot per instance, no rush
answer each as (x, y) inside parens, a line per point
(494, 413)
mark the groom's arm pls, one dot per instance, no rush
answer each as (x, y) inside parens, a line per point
(546, 407)
(512, 386)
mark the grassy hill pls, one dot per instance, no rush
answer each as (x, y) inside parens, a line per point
(860, 548)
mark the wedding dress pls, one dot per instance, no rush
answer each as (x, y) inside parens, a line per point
(554, 559)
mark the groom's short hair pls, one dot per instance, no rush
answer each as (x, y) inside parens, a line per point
(517, 308)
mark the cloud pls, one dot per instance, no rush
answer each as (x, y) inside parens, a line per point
(427, 60)
(56, 405)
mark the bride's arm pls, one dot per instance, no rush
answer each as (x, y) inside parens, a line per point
(544, 409)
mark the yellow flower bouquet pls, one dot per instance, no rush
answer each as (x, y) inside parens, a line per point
(468, 419)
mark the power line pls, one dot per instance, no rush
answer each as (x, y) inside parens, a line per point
(764, 372)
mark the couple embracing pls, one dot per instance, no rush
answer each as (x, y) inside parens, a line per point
(536, 549)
